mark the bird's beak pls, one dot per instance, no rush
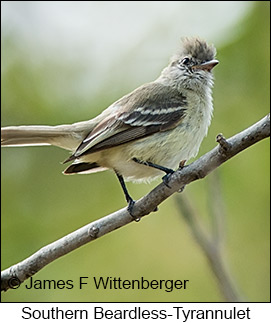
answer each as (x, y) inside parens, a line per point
(207, 66)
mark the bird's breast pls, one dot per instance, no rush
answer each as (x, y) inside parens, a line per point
(166, 148)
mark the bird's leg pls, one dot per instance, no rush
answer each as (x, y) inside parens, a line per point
(128, 197)
(168, 171)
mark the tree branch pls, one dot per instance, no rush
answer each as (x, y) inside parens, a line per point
(212, 249)
(16, 274)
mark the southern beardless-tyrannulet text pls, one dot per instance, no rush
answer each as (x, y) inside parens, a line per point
(146, 132)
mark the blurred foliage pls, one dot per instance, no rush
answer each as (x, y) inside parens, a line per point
(40, 205)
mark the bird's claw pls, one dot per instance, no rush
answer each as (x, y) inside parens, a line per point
(166, 179)
(130, 208)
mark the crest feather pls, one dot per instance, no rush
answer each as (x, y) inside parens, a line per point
(197, 48)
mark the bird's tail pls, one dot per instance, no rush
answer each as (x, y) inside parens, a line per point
(64, 136)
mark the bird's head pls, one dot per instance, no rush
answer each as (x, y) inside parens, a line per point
(191, 67)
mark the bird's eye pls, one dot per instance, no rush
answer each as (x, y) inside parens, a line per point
(185, 60)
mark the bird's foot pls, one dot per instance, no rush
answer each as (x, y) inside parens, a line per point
(130, 208)
(166, 178)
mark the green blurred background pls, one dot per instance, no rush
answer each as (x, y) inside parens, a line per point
(42, 84)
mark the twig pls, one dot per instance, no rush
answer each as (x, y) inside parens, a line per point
(216, 208)
(16, 274)
(212, 251)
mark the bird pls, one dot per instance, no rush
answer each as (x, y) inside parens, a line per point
(144, 134)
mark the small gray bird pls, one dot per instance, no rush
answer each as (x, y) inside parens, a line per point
(146, 132)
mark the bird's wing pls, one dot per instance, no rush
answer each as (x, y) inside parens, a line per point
(151, 108)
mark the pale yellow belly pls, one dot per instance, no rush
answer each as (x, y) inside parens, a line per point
(165, 149)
